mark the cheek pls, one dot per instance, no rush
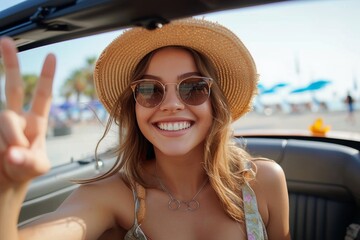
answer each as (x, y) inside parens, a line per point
(209, 114)
(209, 110)
(143, 116)
(139, 116)
(209, 107)
(206, 115)
(137, 112)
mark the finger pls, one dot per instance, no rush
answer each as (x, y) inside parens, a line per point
(14, 85)
(3, 145)
(42, 98)
(23, 164)
(12, 129)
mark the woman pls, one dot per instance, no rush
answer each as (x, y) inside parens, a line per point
(174, 92)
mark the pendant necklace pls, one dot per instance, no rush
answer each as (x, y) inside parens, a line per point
(175, 204)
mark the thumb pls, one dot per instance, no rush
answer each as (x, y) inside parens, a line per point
(23, 164)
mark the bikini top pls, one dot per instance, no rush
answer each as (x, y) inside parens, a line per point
(255, 227)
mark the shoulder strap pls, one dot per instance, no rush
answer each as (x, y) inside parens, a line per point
(254, 225)
(141, 195)
(135, 233)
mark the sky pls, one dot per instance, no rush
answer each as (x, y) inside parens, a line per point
(297, 42)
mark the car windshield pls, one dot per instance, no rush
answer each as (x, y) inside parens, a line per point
(307, 55)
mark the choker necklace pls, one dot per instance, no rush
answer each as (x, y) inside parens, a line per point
(175, 204)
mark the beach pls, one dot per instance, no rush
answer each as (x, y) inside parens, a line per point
(84, 136)
(337, 121)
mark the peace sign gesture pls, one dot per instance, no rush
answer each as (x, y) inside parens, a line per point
(22, 134)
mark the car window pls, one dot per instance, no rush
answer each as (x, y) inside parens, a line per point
(308, 58)
(5, 4)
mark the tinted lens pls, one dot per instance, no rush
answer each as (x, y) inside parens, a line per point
(149, 94)
(194, 91)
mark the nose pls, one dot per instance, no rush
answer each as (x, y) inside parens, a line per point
(171, 100)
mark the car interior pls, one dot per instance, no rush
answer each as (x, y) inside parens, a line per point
(322, 173)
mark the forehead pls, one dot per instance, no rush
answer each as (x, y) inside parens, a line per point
(171, 62)
(172, 52)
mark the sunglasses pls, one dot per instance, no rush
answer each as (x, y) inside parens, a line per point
(194, 90)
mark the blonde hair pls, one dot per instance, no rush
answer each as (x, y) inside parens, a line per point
(227, 166)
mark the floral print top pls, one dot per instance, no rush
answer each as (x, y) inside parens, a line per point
(255, 227)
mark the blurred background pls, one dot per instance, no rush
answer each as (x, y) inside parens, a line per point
(307, 54)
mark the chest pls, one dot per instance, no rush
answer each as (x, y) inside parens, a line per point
(209, 221)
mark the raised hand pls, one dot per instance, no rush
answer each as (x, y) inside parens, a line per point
(22, 134)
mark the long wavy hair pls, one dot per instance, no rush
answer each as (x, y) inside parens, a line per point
(227, 165)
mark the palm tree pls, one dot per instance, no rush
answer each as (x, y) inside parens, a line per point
(80, 83)
(75, 84)
(90, 90)
(88, 72)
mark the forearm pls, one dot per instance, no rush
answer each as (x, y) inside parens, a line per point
(10, 204)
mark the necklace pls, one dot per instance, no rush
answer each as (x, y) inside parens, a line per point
(175, 204)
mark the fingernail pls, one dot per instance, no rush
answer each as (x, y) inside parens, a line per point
(16, 156)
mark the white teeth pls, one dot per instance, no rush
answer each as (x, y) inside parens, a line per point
(174, 126)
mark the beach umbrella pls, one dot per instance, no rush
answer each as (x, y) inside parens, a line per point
(314, 86)
(274, 88)
(268, 91)
(65, 106)
(300, 90)
(261, 88)
(280, 85)
(95, 104)
(318, 84)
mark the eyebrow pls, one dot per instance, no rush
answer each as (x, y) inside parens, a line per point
(182, 76)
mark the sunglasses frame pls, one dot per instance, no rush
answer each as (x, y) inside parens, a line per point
(134, 84)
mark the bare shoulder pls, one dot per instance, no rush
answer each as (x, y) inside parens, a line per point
(90, 210)
(114, 185)
(107, 194)
(114, 196)
(270, 180)
(95, 192)
(268, 172)
(272, 196)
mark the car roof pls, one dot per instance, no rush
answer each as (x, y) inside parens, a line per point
(41, 22)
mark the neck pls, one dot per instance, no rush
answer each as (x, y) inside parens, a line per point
(182, 176)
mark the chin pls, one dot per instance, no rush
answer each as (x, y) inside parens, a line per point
(178, 149)
(173, 152)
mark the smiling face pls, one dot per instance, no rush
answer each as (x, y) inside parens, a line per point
(173, 127)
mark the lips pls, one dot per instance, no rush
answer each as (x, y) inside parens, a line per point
(173, 126)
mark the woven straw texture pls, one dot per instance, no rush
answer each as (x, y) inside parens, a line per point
(236, 70)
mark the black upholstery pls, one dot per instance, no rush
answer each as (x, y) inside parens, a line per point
(314, 217)
(323, 183)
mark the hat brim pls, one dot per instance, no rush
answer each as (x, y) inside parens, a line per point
(237, 76)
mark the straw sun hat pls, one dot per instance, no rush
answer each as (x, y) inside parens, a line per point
(236, 71)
